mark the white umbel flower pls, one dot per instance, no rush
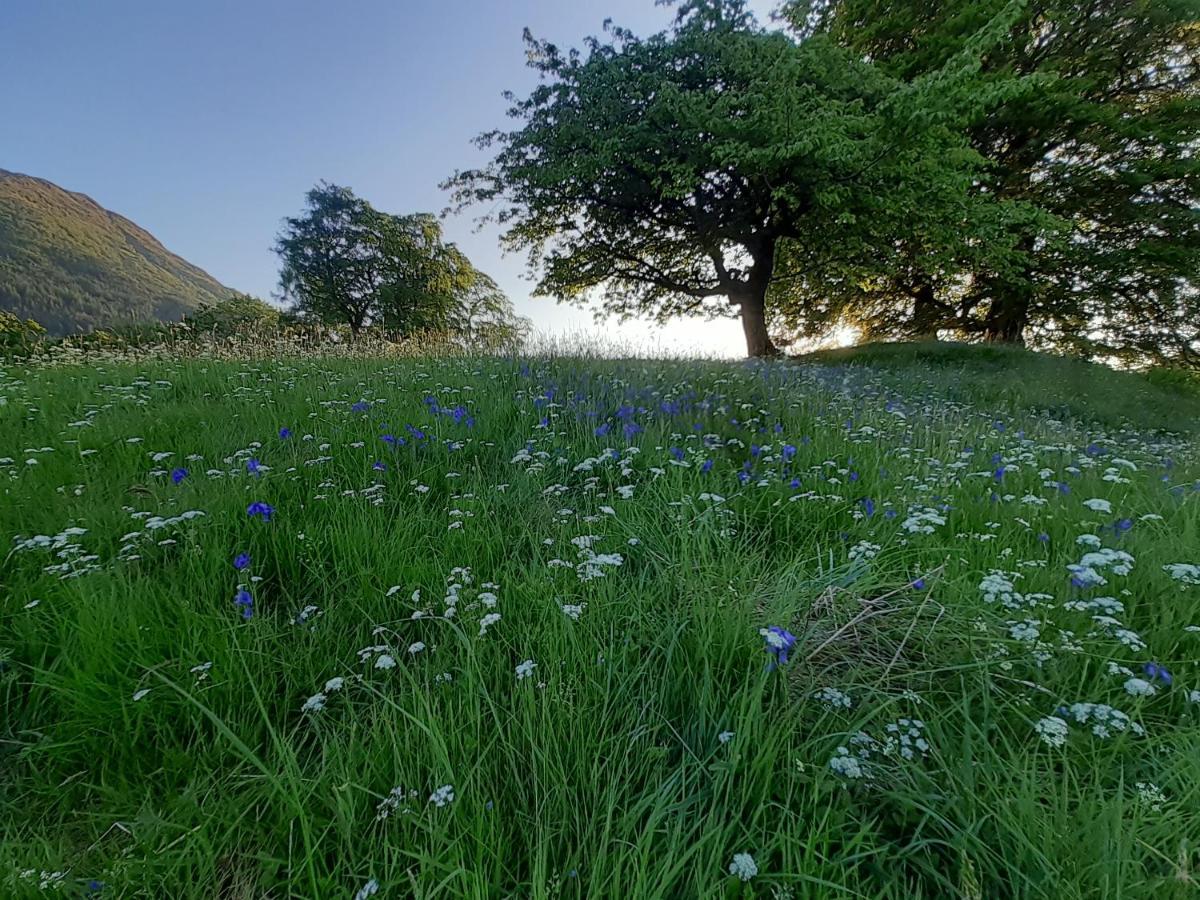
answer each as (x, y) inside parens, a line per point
(743, 866)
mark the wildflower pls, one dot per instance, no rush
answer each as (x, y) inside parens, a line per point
(743, 866)
(1140, 687)
(246, 602)
(334, 684)
(779, 643)
(525, 669)
(1052, 730)
(573, 610)
(1185, 573)
(370, 889)
(846, 765)
(263, 510)
(919, 584)
(241, 561)
(1151, 794)
(385, 661)
(138, 695)
(487, 622)
(725, 737)
(285, 433)
(833, 698)
(315, 703)
(443, 796)
(177, 475)
(253, 466)
(416, 647)
(1154, 671)
(1098, 504)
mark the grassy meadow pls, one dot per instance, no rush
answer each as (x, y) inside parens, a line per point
(896, 623)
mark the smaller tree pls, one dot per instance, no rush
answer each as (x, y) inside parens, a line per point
(484, 316)
(346, 262)
(239, 312)
(330, 265)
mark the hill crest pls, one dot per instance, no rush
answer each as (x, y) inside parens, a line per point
(75, 266)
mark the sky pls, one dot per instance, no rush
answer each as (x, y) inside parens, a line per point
(206, 122)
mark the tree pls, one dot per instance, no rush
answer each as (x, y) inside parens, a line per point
(236, 313)
(1103, 156)
(484, 316)
(330, 257)
(674, 170)
(346, 262)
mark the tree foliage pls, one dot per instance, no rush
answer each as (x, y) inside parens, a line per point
(680, 171)
(1102, 157)
(346, 262)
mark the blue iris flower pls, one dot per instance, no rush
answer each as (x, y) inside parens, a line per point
(243, 599)
(178, 475)
(1153, 670)
(779, 643)
(263, 510)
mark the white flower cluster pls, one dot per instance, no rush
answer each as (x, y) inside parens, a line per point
(393, 801)
(1104, 719)
(923, 521)
(1185, 573)
(833, 698)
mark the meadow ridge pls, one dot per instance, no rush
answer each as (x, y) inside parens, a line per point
(887, 623)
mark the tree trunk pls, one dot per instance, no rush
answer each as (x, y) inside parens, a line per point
(1007, 317)
(751, 296)
(927, 315)
(753, 304)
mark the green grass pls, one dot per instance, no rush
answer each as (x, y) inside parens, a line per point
(602, 774)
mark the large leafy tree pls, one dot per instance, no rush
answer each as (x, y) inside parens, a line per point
(330, 254)
(673, 171)
(1102, 157)
(346, 262)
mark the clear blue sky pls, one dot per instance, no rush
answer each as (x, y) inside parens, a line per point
(205, 122)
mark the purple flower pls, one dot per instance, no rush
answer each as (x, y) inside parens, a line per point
(869, 506)
(1153, 670)
(602, 429)
(919, 584)
(285, 433)
(707, 467)
(258, 508)
(360, 406)
(379, 466)
(252, 466)
(241, 561)
(178, 475)
(779, 643)
(243, 600)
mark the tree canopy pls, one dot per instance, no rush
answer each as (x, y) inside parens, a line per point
(679, 171)
(1102, 157)
(346, 262)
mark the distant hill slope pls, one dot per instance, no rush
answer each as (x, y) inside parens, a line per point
(73, 266)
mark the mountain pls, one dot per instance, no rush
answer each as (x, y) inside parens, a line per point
(73, 266)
